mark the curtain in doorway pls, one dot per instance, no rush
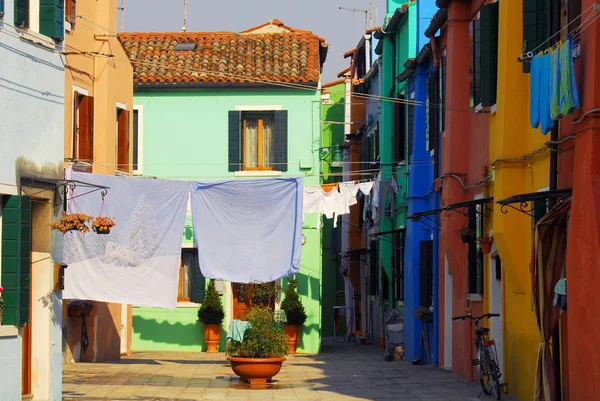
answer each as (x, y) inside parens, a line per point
(547, 267)
(138, 262)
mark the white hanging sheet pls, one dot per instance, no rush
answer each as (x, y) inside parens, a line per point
(248, 230)
(138, 262)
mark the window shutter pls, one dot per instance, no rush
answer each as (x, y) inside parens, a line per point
(22, 13)
(281, 140)
(1, 8)
(89, 139)
(16, 258)
(52, 18)
(536, 25)
(85, 137)
(123, 141)
(433, 115)
(410, 125)
(235, 141)
(489, 53)
(71, 11)
(198, 280)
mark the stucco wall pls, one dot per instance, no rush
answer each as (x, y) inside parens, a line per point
(185, 137)
(31, 137)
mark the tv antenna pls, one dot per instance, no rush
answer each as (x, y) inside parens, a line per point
(368, 14)
(184, 28)
(122, 9)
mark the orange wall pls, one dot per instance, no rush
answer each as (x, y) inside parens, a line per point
(108, 80)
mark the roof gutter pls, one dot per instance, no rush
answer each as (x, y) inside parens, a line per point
(231, 85)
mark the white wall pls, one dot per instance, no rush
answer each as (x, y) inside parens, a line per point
(31, 102)
(31, 132)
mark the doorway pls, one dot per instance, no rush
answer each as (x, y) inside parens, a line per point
(447, 315)
(26, 345)
(496, 304)
(239, 306)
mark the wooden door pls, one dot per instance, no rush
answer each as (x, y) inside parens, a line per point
(26, 346)
(239, 306)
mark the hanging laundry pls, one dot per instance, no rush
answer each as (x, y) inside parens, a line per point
(395, 186)
(138, 261)
(375, 201)
(348, 191)
(569, 99)
(560, 294)
(541, 93)
(312, 202)
(365, 187)
(384, 189)
(555, 82)
(248, 230)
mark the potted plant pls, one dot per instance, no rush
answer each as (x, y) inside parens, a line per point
(2, 304)
(295, 315)
(102, 225)
(211, 314)
(465, 234)
(72, 222)
(485, 242)
(259, 356)
(261, 294)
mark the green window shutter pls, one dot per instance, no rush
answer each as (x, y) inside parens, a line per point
(489, 53)
(52, 18)
(22, 13)
(536, 25)
(1, 8)
(235, 141)
(16, 258)
(281, 140)
(198, 280)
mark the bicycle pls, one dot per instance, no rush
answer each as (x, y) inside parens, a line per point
(487, 358)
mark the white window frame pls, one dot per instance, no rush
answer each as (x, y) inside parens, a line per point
(140, 139)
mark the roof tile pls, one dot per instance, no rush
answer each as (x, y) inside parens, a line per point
(269, 52)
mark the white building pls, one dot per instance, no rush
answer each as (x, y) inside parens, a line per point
(31, 153)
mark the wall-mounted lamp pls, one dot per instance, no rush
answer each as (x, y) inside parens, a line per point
(337, 160)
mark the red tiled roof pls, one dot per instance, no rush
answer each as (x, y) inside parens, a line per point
(269, 52)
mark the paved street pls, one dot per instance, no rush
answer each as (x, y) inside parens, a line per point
(341, 372)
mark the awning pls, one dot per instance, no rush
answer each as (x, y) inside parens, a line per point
(525, 203)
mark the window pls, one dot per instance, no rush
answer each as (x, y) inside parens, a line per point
(426, 273)
(410, 124)
(83, 127)
(22, 13)
(138, 139)
(475, 215)
(122, 140)
(258, 140)
(71, 11)
(1, 8)
(373, 268)
(432, 112)
(536, 25)
(574, 14)
(191, 281)
(484, 56)
(399, 130)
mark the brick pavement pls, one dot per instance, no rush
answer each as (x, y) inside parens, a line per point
(341, 372)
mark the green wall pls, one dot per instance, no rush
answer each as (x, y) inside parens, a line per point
(185, 136)
(331, 135)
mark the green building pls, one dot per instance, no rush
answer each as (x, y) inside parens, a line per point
(214, 106)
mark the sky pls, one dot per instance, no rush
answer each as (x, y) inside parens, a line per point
(341, 29)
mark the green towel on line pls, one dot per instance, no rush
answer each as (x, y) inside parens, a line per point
(560, 289)
(236, 331)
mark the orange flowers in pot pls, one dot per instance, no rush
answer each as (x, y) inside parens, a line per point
(72, 222)
(102, 225)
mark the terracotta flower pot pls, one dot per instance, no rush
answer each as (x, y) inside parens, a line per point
(486, 247)
(292, 332)
(212, 337)
(257, 371)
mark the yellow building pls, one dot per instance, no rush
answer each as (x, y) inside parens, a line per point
(519, 165)
(98, 138)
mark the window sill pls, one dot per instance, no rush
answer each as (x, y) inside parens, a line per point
(475, 297)
(258, 173)
(36, 38)
(9, 331)
(187, 305)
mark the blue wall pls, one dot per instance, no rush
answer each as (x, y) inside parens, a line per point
(421, 198)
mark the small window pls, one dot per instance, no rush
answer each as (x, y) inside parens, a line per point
(185, 47)
(71, 12)
(22, 13)
(258, 141)
(426, 273)
(122, 148)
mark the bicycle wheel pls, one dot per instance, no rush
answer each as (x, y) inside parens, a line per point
(485, 378)
(496, 389)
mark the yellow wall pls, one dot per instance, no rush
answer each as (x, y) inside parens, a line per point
(511, 136)
(108, 80)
